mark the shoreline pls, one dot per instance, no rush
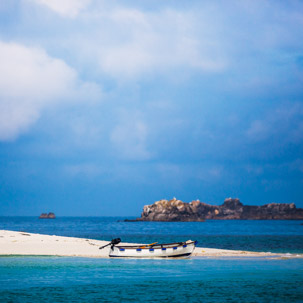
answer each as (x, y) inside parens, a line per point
(19, 243)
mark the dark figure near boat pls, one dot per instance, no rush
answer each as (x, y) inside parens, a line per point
(47, 216)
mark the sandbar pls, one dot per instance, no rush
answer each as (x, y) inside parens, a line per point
(24, 243)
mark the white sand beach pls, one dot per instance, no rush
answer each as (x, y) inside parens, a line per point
(23, 243)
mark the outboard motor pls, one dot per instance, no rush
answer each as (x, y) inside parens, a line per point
(112, 243)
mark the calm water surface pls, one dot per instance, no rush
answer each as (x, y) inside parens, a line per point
(264, 235)
(50, 279)
(54, 279)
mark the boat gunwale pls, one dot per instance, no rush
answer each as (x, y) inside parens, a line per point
(157, 246)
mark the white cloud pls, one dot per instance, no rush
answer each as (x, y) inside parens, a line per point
(127, 43)
(31, 80)
(158, 42)
(66, 8)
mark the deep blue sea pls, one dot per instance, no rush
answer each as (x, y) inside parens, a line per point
(58, 279)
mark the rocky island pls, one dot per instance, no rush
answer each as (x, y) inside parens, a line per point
(47, 216)
(231, 209)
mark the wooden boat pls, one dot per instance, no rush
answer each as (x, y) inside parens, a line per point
(154, 250)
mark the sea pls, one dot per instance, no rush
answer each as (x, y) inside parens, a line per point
(195, 279)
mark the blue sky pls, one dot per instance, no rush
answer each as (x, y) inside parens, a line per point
(106, 106)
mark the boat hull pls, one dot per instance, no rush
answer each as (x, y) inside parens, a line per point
(172, 251)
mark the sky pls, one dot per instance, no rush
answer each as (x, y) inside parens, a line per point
(106, 106)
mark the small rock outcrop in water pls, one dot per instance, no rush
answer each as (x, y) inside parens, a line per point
(47, 216)
(176, 210)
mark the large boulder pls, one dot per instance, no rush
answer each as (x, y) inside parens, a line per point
(170, 210)
(176, 210)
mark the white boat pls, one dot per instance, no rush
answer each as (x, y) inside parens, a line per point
(154, 250)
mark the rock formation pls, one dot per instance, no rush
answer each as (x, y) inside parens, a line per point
(176, 210)
(47, 216)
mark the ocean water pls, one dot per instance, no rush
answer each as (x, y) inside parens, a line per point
(284, 236)
(54, 279)
(60, 279)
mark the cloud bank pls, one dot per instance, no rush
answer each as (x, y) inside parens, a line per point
(199, 99)
(30, 81)
(65, 8)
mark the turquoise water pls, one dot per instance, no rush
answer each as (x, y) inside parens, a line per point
(51, 279)
(261, 235)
